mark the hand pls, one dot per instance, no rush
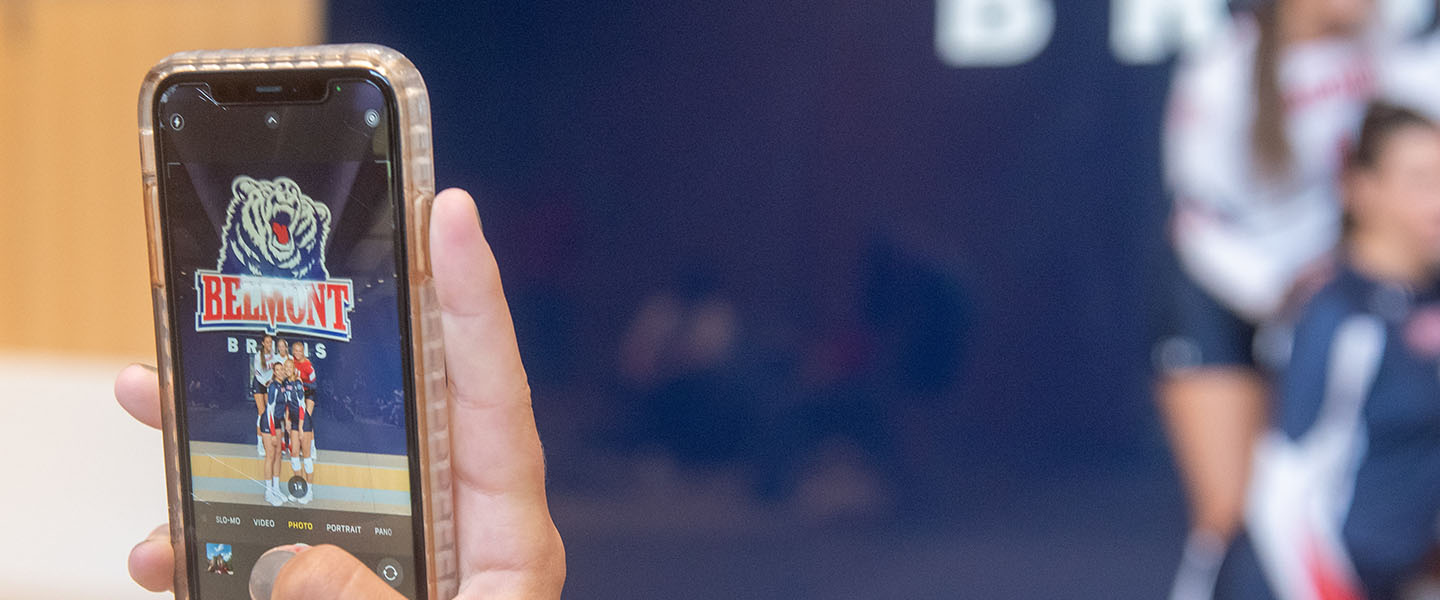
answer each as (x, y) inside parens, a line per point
(509, 548)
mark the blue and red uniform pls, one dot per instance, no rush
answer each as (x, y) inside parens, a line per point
(1345, 493)
(295, 406)
(274, 408)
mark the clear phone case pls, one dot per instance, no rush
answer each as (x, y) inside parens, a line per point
(427, 351)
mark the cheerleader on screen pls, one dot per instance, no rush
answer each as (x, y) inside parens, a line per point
(280, 357)
(272, 428)
(302, 398)
(261, 373)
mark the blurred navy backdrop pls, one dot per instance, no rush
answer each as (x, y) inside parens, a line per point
(810, 313)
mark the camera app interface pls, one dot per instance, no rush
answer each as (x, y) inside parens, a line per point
(282, 236)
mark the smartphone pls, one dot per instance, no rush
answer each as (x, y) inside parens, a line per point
(287, 194)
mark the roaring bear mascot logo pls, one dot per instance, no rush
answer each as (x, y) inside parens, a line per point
(272, 229)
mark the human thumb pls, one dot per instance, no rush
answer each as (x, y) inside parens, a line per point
(321, 572)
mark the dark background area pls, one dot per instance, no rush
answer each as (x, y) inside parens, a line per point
(936, 283)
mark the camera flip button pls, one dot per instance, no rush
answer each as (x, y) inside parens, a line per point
(389, 570)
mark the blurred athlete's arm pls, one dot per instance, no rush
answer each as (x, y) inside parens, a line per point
(1310, 459)
(1318, 351)
(1244, 276)
(1207, 136)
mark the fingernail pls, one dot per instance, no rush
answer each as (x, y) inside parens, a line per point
(266, 569)
(144, 542)
(144, 546)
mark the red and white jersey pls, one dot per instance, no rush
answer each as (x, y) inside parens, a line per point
(307, 370)
(262, 370)
(1245, 236)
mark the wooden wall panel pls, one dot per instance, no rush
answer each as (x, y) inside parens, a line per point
(73, 273)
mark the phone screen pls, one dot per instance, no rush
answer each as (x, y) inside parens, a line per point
(285, 264)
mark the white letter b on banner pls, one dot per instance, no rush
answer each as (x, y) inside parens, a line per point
(992, 33)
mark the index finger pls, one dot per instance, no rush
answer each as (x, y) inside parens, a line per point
(489, 391)
(502, 517)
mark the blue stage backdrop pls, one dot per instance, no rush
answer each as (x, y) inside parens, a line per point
(938, 247)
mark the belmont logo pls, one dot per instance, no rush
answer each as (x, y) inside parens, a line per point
(230, 302)
(271, 275)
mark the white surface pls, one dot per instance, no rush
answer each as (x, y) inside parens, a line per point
(83, 483)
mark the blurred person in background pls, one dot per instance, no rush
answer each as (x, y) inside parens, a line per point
(1346, 485)
(1255, 136)
(876, 386)
(678, 361)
